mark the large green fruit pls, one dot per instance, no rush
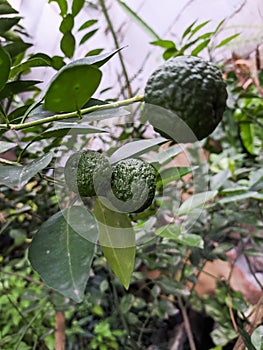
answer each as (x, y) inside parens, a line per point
(191, 90)
(133, 185)
(88, 173)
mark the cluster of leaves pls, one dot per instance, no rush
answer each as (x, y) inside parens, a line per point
(173, 239)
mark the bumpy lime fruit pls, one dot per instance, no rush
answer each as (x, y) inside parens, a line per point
(88, 173)
(133, 185)
(191, 88)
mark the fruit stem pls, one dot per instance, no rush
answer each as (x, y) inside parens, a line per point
(57, 117)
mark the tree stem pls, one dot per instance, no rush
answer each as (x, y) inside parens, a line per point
(117, 45)
(83, 111)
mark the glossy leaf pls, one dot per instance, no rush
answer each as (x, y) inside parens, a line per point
(62, 129)
(88, 24)
(200, 47)
(77, 6)
(135, 148)
(117, 240)
(6, 8)
(188, 29)
(61, 255)
(175, 233)
(16, 87)
(168, 154)
(98, 60)
(195, 201)
(16, 48)
(247, 135)
(67, 44)
(5, 64)
(6, 23)
(173, 287)
(32, 62)
(166, 44)
(67, 24)
(5, 146)
(172, 174)
(16, 177)
(87, 36)
(197, 28)
(72, 87)
(227, 40)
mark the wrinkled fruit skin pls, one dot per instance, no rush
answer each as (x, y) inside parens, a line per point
(191, 88)
(88, 173)
(133, 185)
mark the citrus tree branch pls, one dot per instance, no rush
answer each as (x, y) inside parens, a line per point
(57, 117)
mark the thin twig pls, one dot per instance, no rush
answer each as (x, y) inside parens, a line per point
(60, 334)
(117, 45)
(26, 278)
(83, 111)
(187, 325)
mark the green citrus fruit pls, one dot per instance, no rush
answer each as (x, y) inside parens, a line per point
(133, 185)
(88, 173)
(192, 91)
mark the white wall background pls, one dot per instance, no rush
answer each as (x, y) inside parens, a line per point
(168, 18)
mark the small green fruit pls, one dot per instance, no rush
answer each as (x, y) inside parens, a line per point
(133, 185)
(88, 173)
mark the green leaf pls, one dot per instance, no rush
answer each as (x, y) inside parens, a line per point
(135, 148)
(67, 24)
(239, 197)
(172, 174)
(98, 60)
(197, 28)
(61, 255)
(16, 87)
(227, 40)
(247, 133)
(6, 23)
(257, 338)
(188, 29)
(62, 129)
(200, 47)
(219, 25)
(63, 5)
(195, 201)
(15, 177)
(117, 240)
(173, 287)
(175, 233)
(72, 87)
(5, 64)
(67, 44)
(94, 52)
(246, 339)
(77, 6)
(168, 154)
(88, 24)
(166, 44)
(5, 146)
(6, 8)
(88, 36)
(17, 48)
(32, 62)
